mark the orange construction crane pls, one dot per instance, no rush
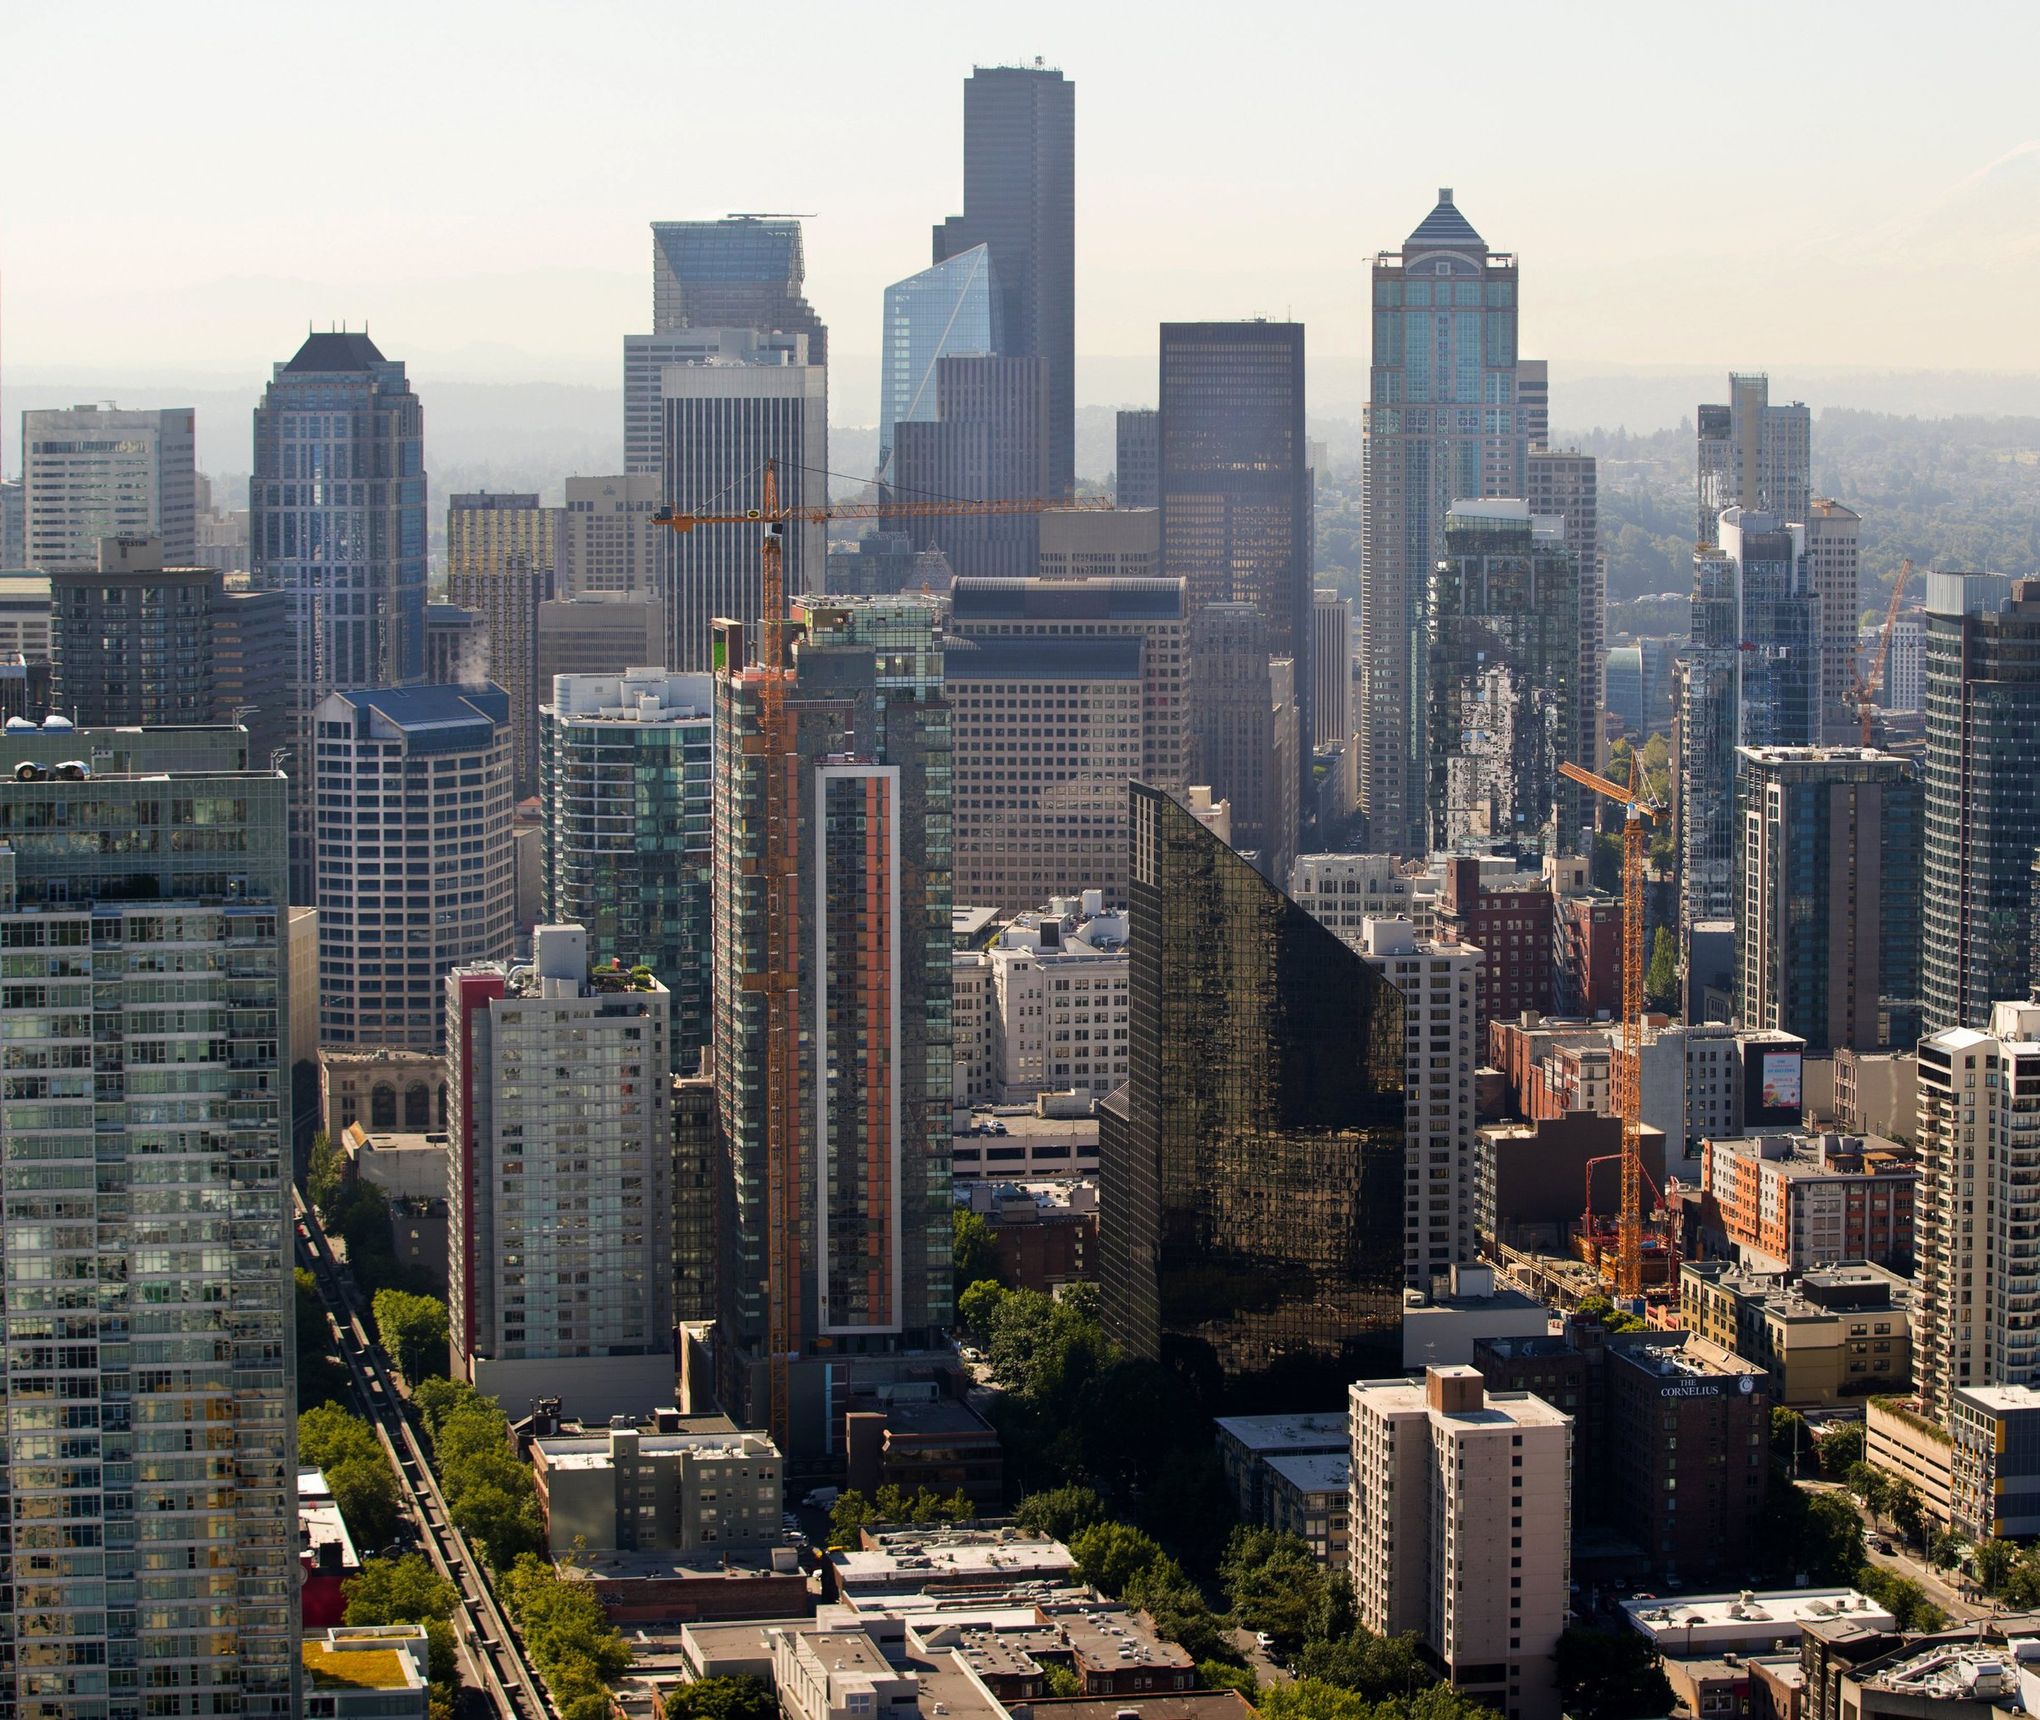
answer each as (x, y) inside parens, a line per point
(780, 865)
(1864, 693)
(1627, 1060)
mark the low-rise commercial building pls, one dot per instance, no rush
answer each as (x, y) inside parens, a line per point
(931, 1560)
(1828, 1339)
(634, 1490)
(1059, 999)
(381, 1087)
(1442, 1329)
(1308, 1497)
(1045, 1232)
(1737, 1623)
(367, 1672)
(1877, 1093)
(1344, 891)
(1247, 1444)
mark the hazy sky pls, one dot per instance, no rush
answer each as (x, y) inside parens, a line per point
(186, 187)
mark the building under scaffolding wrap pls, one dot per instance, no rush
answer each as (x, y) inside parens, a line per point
(859, 1144)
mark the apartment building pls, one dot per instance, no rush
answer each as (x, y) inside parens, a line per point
(1828, 1338)
(640, 1489)
(1793, 1202)
(1344, 891)
(1059, 1000)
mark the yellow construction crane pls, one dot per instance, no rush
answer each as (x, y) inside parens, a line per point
(780, 864)
(1626, 1063)
(1864, 693)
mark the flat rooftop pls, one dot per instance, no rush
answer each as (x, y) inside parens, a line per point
(2004, 1400)
(591, 1450)
(1702, 1619)
(1312, 1430)
(611, 1565)
(1147, 1705)
(908, 1562)
(1315, 1471)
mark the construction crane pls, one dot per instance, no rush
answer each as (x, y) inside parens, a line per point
(1864, 693)
(779, 863)
(1626, 1064)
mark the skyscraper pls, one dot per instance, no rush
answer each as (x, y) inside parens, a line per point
(645, 358)
(1565, 482)
(1444, 422)
(626, 796)
(414, 859)
(1102, 543)
(862, 1276)
(1832, 560)
(149, 1449)
(987, 439)
(946, 310)
(561, 1246)
(742, 272)
(131, 639)
(1061, 692)
(723, 423)
(1019, 202)
(1251, 1171)
(1827, 896)
(1331, 668)
(502, 560)
(1246, 731)
(1753, 455)
(1138, 483)
(1235, 479)
(1982, 817)
(13, 525)
(90, 472)
(606, 536)
(1503, 680)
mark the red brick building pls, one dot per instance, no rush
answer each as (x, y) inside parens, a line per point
(1508, 918)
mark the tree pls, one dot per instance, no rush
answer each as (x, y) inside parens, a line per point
(1610, 1675)
(1376, 1667)
(978, 1307)
(567, 1634)
(1060, 1513)
(1903, 1598)
(1840, 1448)
(1908, 1510)
(973, 1247)
(1946, 1549)
(1790, 1440)
(1313, 1699)
(505, 1524)
(1274, 1583)
(1214, 1675)
(847, 1519)
(1993, 1561)
(1661, 978)
(1111, 1555)
(1060, 1680)
(399, 1591)
(325, 1174)
(1164, 1591)
(1871, 1485)
(414, 1328)
(437, 1399)
(366, 1493)
(741, 1698)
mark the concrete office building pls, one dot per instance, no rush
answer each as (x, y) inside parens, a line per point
(1443, 422)
(1833, 553)
(25, 616)
(89, 472)
(1827, 895)
(1331, 669)
(987, 437)
(131, 639)
(1345, 891)
(1829, 1336)
(1565, 483)
(1995, 1477)
(600, 635)
(630, 1489)
(607, 541)
(156, 1247)
(722, 423)
(1982, 817)
(13, 524)
(1137, 479)
(560, 1262)
(1439, 987)
(1062, 692)
(1753, 455)
(626, 794)
(1246, 729)
(456, 647)
(1460, 1529)
(1977, 1244)
(949, 308)
(1905, 664)
(1059, 1000)
(1503, 681)
(645, 357)
(1019, 203)
(870, 1282)
(1251, 1171)
(502, 561)
(1236, 487)
(1118, 543)
(414, 862)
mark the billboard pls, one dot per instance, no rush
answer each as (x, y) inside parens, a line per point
(1781, 1077)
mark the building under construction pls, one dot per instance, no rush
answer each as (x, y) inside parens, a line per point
(835, 1251)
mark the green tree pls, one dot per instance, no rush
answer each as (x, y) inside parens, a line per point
(366, 1493)
(1376, 1667)
(1903, 1598)
(1273, 1583)
(847, 1519)
(1908, 1510)
(437, 1399)
(325, 1174)
(1661, 978)
(1111, 1555)
(399, 1591)
(1993, 1561)
(1060, 1512)
(415, 1331)
(567, 1634)
(1946, 1548)
(329, 1435)
(973, 1247)
(1791, 1442)
(322, 1376)
(1841, 1448)
(1610, 1675)
(1164, 1591)
(1060, 1680)
(739, 1698)
(1871, 1485)
(1313, 1699)
(978, 1308)
(1217, 1675)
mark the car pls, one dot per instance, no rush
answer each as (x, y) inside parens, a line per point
(1882, 1544)
(1263, 1641)
(1000, 1129)
(822, 1498)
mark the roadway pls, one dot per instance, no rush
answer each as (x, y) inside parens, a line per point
(494, 1661)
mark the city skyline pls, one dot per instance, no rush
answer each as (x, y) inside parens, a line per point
(461, 290)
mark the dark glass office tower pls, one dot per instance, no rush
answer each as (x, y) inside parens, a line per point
(1019, 199)
(1236, 481)
(989, 440)
(1252, 1168)
(1140, 458)
(741, 272)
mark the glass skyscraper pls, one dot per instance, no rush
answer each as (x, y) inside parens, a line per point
(1252, 1171)
(946, 309)
(744, 271)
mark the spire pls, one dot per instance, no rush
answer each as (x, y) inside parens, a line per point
(1445, 229)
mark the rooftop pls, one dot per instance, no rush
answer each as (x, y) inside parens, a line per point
(336, 352)
(1445, 227)
(1020, 599)
(1957, 1672)
(1779, 1613)
(1315, 1471)
(593, 1451)
(911, 1560)
(1025, 659)
(365, 1657)
(1267, 1435)
(2002, 1400)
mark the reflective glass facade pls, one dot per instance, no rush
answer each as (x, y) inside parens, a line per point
(943, 310)
(740, 272)
(1252, 1170)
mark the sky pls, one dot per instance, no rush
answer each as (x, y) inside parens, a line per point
(1792, 183)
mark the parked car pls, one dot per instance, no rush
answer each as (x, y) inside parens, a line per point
(822, 1498)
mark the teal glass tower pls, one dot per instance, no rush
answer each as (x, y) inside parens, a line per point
(947, 310)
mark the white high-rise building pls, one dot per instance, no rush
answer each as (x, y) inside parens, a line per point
(413, 856)
(1059, 1000)
(1832, 556)
(1459, 1526)
(1976, 1214)
(90, 472)
(561, 1252)
(721, 422)
(1440, 987)
(607, 539)
(1344, 891)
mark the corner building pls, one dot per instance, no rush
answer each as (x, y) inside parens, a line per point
(1251, 1194)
